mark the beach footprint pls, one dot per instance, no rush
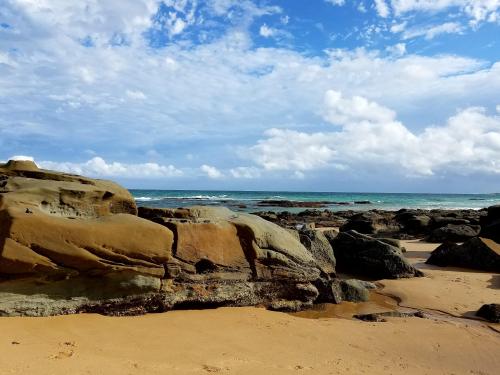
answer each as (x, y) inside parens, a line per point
(67, 350)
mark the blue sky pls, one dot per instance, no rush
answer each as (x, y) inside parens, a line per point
(322, 95)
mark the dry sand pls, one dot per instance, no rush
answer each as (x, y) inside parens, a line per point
(255, 341)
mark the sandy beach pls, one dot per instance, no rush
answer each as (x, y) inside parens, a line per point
(256, 341)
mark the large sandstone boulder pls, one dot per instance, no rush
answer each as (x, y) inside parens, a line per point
(22, 184)
(478, 253)
(72, 244)
(360, 254)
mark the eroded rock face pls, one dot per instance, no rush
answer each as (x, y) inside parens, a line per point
(318, 244)
(71, 244)
(22, 184)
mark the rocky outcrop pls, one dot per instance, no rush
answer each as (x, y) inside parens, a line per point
(319, 246)
(490, 312)
(478, 253)
(71, 244)
(491, 224)
(360, 254)
(370, 223)
(402, 224)
(454, 233)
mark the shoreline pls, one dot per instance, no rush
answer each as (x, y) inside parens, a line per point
(198, 341)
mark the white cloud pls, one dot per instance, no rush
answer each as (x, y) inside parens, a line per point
(215, 94)
(382, 8)
(336, 2)
(211, 171)
(468, 143)
(98, 167)
(430, 32)
(398, 49)
(399, 27)
(477, 10)
(266, 31)
(342, 111)
(245, 172)
(22, 158)
(137, 95)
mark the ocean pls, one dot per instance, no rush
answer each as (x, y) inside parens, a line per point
(249, 200)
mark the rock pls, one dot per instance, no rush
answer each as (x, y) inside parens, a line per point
(71, 244)
(318, 245)
(61, 194)
(330, 234)
(370, 223)
(380, 317)
(360, 254)
(353, 290)
(337, 290)
(477, 253)
(413, 221)
(491, 224)
(490, 312)
(454, 233)
(286, 203)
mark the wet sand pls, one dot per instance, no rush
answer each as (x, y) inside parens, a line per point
(256, 341)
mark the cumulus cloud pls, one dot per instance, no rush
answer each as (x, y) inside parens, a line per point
(467, 143)
(211, 171)
(343, 111)
(98, 167)
(214, 92)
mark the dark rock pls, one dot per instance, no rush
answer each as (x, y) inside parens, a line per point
(330, 234)
(380, 317)
(337, 290)
(370, 223)
(491, 224)
(490, 312)
(360, 254)
(354, 290)
(478, 253)
(441, 221)
(454, 233)
(286, 203)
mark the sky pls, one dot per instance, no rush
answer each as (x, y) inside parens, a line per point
(296, 95)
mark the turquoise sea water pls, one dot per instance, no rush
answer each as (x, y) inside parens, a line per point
(248, 200)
